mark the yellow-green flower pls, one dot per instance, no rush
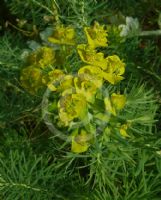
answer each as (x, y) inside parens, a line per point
(90, 56)
(80, 142)
(72, 106)
(115, 69)
(53, 78)
(86, 88)
(115, 103)
(63, 35)
(96, 35)
(31, 79)
(42, 57)
(92, 74)
(56, 80)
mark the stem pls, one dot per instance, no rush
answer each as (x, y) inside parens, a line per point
(45, 7)
(149, 33)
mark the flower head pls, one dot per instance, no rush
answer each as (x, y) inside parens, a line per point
(42, 57)
(114, 70)
(53, 78)
(90, 56)
(66, 83)
(56, 80)
(63, 35)
(86, 88)
(72, 106)
(96, 36)
(31, 79)
(91, 73)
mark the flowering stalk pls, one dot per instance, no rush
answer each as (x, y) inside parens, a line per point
(80, 105)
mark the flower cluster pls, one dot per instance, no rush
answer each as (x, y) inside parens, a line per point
(78, 95)
(32, 75)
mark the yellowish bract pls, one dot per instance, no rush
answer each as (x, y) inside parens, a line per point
(90, 56)
(86, 88)
(109, 107)
(80, 143)
(92, 74)
(118, 101)
(115, 103)
(123, 130)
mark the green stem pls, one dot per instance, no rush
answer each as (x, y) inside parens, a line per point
(45, 7)
(149, 33)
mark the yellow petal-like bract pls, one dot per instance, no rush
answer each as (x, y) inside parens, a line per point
(118, 101)
(123, 130)
(115, 103)
(80, 143)
(91, 73)
(115, 69)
